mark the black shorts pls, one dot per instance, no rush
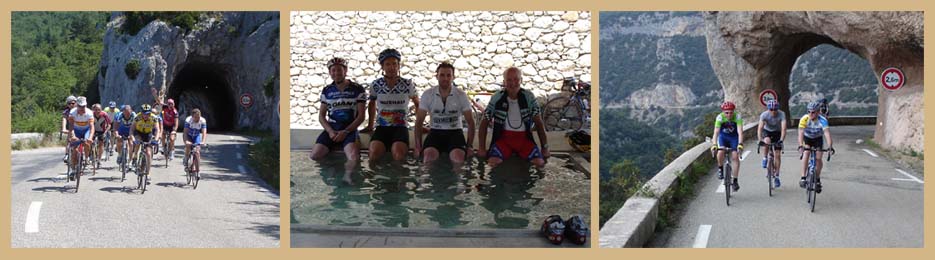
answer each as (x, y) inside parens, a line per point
(143, 138)
(99, 136)
(814, 142)
(774, 136)
(325, 139)
(391, 134)
(168, 129)
(445, 140)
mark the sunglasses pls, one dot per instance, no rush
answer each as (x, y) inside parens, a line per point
(813, 112)
(71, 103)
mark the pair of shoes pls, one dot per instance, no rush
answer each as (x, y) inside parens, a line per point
(776, 181)
(720, 174)
(735, 186)
(764, 162)
(802, 182)
(553, 228)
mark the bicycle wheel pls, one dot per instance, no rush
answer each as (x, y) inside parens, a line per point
(94, 159)
(769, 174)
(145, 164)
(562, 113)
(79, 171)
(196, 174)
(727, 182)
(123, 162)
(812, 195)
(188, 171)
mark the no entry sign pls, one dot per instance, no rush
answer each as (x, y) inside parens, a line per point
(892, 78)
(768, 94)
(246, 100)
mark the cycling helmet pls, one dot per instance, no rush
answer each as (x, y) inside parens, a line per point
(553, 228)
(388, 53)
(728, 106)
(70, 99)
(579, 140)
(113, 104)
(145, 108)
(340, 61)
(772, 104)
(576, 230)
(82, 101)
(813, 106)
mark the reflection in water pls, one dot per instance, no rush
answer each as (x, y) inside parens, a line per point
(408, 194)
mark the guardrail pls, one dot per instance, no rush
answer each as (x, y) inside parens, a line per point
(635, 222)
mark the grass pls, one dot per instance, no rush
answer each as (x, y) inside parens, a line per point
(264, 156)
(906, 157)
(685, 189)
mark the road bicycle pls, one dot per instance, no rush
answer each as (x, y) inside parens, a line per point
(193, 170)
(728, 178)
(143, 162)
(569, 112)
(771, 173)
(811, 179)
(76, 170)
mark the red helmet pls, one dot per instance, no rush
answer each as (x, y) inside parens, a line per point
(727, 105)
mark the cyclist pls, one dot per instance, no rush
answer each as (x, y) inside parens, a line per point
(390, 96)
(823, 107)
(772, 128)
(101, 128)
(70, 102)
(343, 100)
(727, 133)
(447, 106)
(145, 128)
(123, 122)
(169, 123)
(112, 111)
(514, 112)
(812, 127)
(196, 132)
(82, 126)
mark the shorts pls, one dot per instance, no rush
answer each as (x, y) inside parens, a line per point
(325, 139)
(728, 141)
(512, 141)
(143, 138)
(774, 136)
(445, 140)
(391, 134)
(82, 136)
(814, 142)
(195, 139)
(99, 136)
(123, 131)
(168, 128)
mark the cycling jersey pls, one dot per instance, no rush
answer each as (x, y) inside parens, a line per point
(728, 126)
(82, 122)
(445, 115)
(392, 102)
(194, 128)
(146, 126)
(112, 112)
(124, 123)
(100, 120)
(813, 128)
(169, 114)
(773, 123)
(342, 104)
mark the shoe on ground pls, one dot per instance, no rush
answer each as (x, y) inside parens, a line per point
(802, 182)
(735, 186)
(720, 174)
(818, 187)
(776, 181)
(553, 228)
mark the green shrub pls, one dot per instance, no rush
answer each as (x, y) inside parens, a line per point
(264, 158)
(46, 122)
(132, 69)
(135, 21)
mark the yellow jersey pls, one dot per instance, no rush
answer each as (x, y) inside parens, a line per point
(145, 126)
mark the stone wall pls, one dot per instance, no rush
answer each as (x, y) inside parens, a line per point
(547, 46)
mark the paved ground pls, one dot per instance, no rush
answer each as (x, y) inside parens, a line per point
(867, 201)
(231, 207)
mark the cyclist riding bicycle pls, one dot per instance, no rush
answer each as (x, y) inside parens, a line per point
(170, 120)
(823, 107)
(727, 133)
(112, 111)
(101, 127)
(123, 122)
(772, 128)
(196, 133)
(70, 102)
(82, 126)
(145, 128)
(812, 127)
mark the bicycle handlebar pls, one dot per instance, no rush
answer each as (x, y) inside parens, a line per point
(813, 149)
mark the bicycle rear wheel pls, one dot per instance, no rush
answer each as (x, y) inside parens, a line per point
(562, 114)
(727, 182)
(770, 175)
(812, 194)
(144, 168)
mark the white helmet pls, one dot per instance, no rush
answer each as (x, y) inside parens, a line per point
(82, 101)
(69, 99)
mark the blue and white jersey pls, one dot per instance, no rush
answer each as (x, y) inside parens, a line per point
(342, 104)
(193, 128)
(392, 102)
(813, 128)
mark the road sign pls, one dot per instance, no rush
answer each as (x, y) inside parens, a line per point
(768, 94)
(892, 78)
(246, 100)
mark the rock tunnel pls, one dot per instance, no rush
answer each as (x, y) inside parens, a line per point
(754, 51)
(205, 85)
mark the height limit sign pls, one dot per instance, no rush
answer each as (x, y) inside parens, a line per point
(892, 79)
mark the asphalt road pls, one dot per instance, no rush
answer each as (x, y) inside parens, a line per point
(866, 202)
(232, 207)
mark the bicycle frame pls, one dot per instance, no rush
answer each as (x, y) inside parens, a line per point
(729, 154)
(811, 176)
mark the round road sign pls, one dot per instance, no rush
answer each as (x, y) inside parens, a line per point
(892, 78)
(246, 100)
(768, 94)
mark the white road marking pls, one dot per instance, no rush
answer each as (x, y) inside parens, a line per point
(870, 153)
(744, 156)
(910, 176)
(32, 217)
(231, 137)
(239, 156)
(901, 179)
(701, 238)
(720, 187)
(242, 169)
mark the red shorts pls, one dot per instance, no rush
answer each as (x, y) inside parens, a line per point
(512, 141)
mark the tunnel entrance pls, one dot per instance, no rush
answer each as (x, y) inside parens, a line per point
(205, 86)
(842, 77)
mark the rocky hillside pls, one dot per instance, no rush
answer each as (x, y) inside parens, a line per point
(656, 64)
